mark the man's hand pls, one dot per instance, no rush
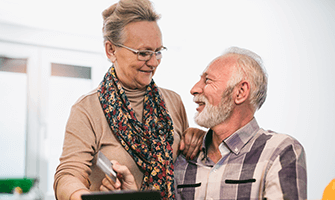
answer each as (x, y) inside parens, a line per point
(191, 142)
(125, 180)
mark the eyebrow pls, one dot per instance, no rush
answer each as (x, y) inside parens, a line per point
(203, 74)
(160, 48)
(155, 50)
(207, 75)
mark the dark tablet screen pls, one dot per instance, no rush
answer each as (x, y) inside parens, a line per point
(124, 195)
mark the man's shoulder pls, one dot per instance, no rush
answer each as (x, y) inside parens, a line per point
(277, 140)
(279, 137)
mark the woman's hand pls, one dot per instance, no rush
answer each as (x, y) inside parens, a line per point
(125, 180)
(191, 142)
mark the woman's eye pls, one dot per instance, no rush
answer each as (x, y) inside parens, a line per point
(144, 53)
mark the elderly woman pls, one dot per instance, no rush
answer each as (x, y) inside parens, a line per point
(127, 117)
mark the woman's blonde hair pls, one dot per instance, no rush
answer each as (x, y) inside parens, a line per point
(117, 16)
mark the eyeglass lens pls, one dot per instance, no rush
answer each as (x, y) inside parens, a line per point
(146, 55)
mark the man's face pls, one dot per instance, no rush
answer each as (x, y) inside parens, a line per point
(211, 115)
(212, 94)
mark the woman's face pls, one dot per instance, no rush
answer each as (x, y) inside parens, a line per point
(132, 72)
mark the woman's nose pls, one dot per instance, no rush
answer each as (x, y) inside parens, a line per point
(153, 61)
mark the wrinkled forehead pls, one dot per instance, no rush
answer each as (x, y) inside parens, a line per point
(143, 33)
(221, 65)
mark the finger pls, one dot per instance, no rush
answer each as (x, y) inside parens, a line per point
(123, 172)
(194, 139)
(188, 134)
(103, 188)
(192, 147)
(196, 149)
(181, 144)
(127, 180)
(200, 138)
(108, 183)
(116, 184)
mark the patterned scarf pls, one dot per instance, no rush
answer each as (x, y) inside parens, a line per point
(150, 142)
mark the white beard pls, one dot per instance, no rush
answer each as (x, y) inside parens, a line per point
(211, 115)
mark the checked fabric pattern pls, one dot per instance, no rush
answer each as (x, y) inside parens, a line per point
(148, 142)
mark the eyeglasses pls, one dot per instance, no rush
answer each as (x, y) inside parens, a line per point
(145, 55)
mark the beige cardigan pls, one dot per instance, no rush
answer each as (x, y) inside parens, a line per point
(87, 132)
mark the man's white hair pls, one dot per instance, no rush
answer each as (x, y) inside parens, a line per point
(250, 67)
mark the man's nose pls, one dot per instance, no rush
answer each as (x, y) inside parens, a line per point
(197, 88)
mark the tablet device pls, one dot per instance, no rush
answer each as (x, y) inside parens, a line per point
(123, 195)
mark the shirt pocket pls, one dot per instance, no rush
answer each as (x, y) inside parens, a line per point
(244, 181)
(187, 191)
(243, 187)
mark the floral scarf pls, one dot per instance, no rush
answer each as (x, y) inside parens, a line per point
(150, 142)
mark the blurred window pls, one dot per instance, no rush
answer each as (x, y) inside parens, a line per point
(13, 120)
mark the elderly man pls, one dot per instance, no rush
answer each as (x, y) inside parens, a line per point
(239, 160)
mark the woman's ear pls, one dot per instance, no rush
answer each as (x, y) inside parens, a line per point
(243, 91)
(110, 51)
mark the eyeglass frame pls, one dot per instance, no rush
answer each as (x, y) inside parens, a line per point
(144, 51)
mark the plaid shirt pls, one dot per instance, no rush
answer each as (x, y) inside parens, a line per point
(255, 164)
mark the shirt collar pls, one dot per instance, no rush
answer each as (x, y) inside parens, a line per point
(234, 142)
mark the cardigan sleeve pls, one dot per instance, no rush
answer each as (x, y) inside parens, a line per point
(79, 148)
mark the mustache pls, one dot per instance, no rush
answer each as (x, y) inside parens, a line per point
(200, 98)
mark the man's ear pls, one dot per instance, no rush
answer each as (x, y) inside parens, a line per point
(243, 91)
(110, 51)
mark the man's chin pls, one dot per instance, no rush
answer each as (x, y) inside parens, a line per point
(202, 125)
(200, 122)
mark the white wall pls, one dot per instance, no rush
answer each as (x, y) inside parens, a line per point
(296, 41)
(294, 38)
